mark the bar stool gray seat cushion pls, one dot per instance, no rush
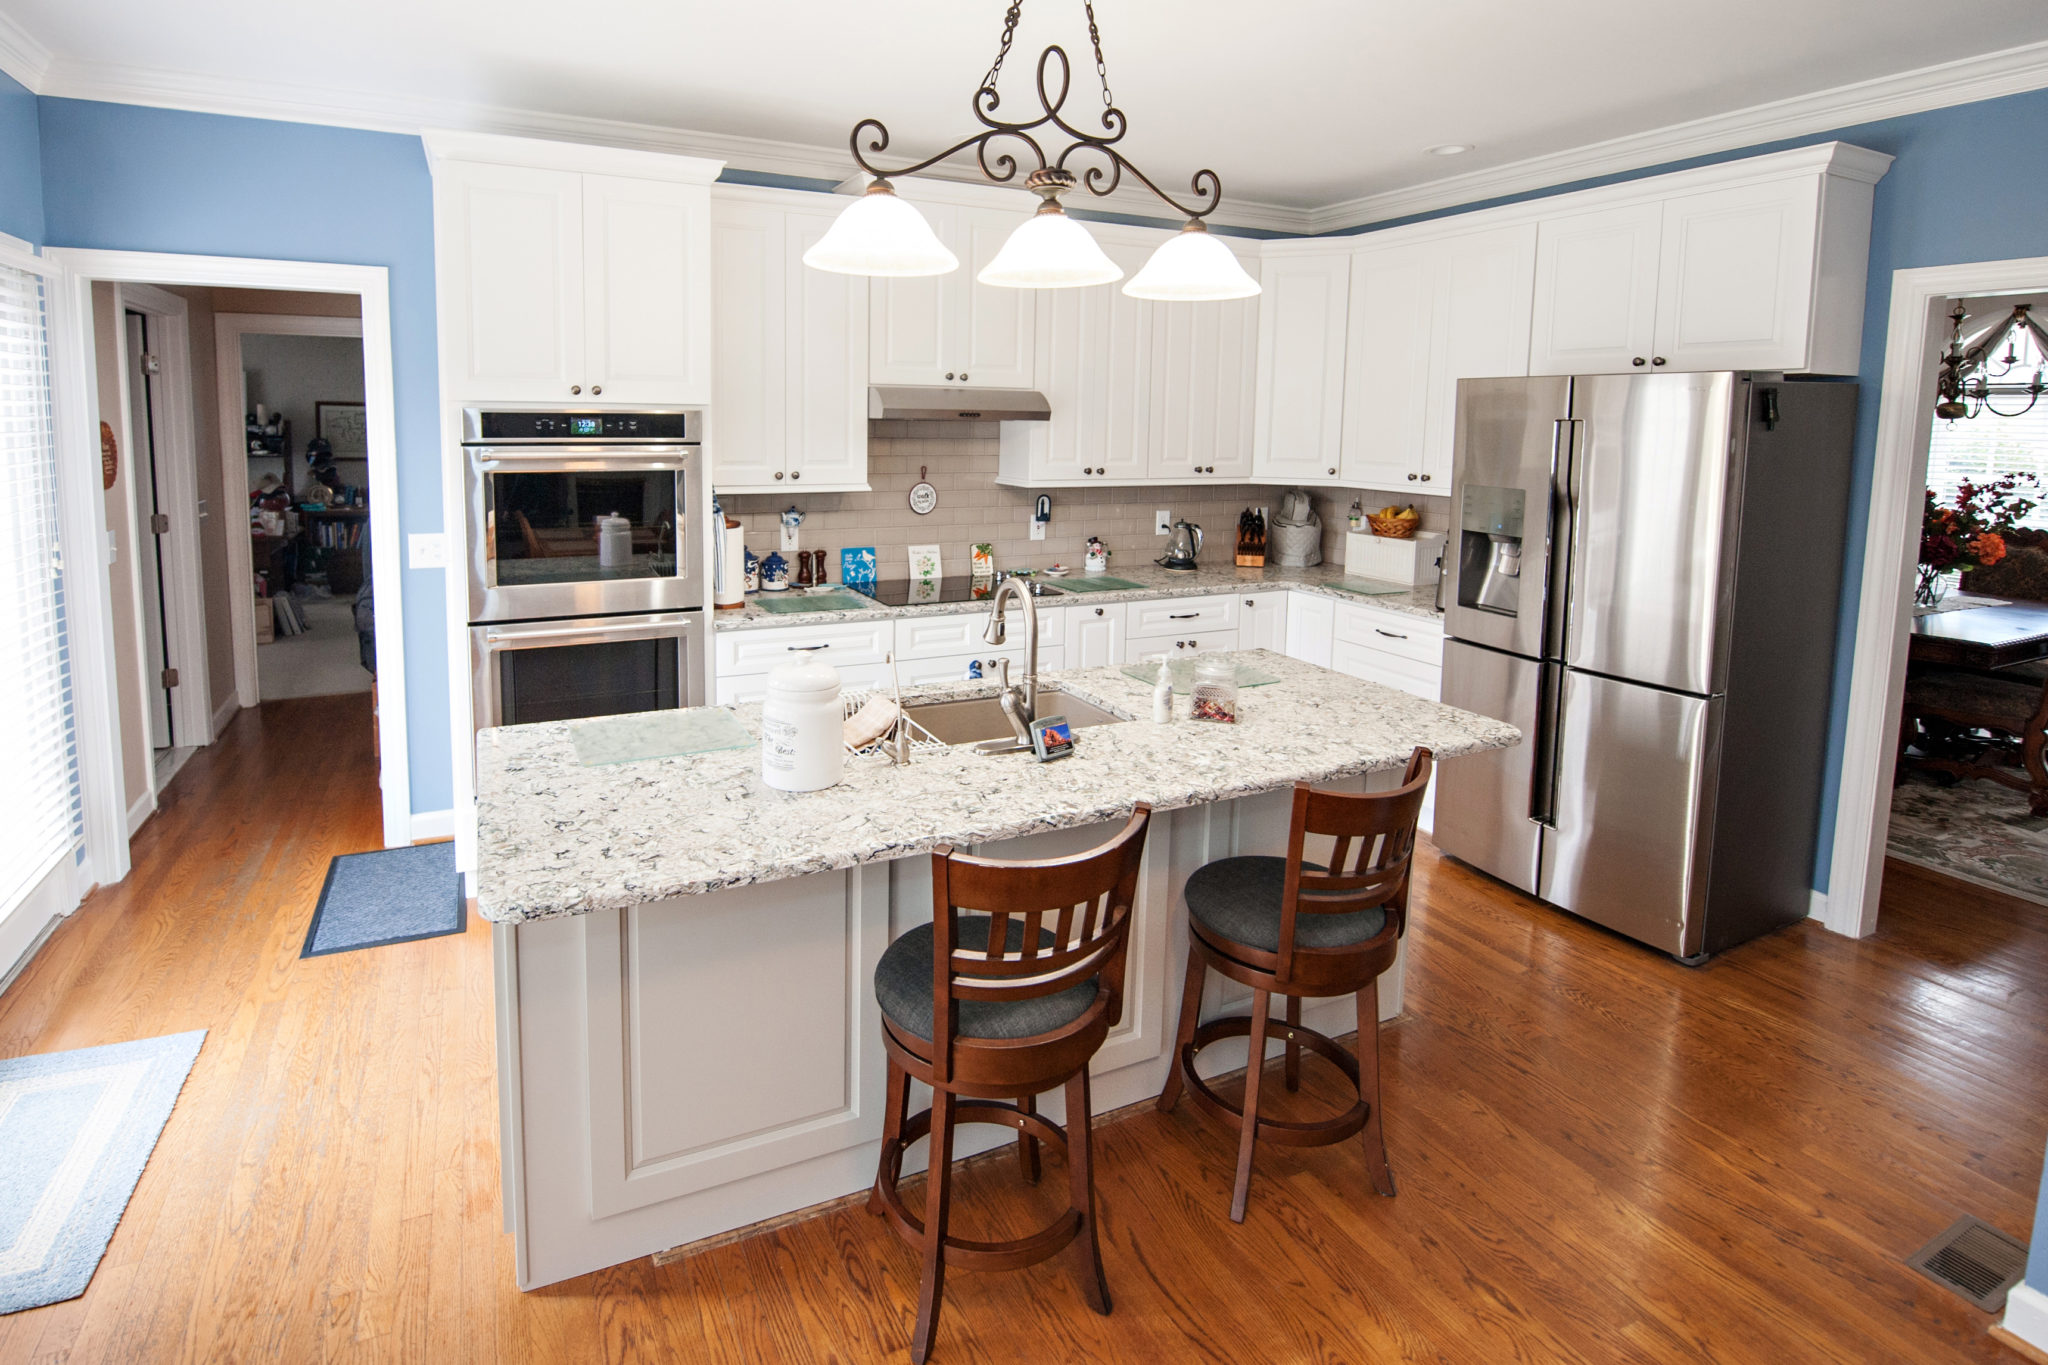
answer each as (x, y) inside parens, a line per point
(1238, 899)
(903, 987)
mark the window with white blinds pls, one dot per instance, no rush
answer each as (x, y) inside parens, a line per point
(1978, 449)
(39, 805)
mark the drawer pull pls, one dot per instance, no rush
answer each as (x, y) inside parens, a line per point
(1388, 633)
(1183, 615)
(808, 648)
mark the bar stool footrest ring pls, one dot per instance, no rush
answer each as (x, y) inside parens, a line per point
(1285, 1132)
(964, 1253)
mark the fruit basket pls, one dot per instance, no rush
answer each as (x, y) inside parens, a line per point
(1394, 523)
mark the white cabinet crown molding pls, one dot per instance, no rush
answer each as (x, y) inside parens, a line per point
(449, 144)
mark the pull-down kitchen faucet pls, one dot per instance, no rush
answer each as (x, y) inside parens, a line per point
(1020, 704)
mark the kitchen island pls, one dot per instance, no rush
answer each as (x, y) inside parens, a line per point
(687, 1036)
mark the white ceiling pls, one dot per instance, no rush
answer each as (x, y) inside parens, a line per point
(1300, 105)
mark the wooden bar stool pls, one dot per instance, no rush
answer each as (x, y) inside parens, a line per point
(1290, 928)
(998, 1006)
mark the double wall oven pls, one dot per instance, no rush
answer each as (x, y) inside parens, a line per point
(586, 595)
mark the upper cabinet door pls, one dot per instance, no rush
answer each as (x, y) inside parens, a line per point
(1738, 275)
(1485, 283)
(747, 437)
(907, 331)
(501, 224)
(991, 330)
(1205, 376)
(1301, 366)
(1388, 350)
(827, 397)
(647, 253)
(1596, 291)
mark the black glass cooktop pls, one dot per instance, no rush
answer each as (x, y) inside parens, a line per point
(910, 592)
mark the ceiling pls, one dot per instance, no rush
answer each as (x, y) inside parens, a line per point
(1299, 106)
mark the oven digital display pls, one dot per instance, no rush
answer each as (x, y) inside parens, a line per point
(586, 426)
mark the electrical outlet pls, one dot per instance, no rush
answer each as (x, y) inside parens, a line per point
(789, 538)
(427, 550)
(1162, 523)
(1037, 529)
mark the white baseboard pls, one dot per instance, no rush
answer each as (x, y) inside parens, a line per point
(2026, 1315)
(432, 824)
(1817, 906)
(224, 713)
(143, 807)
(24, 929)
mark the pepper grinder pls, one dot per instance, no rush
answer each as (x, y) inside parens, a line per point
(803, 569)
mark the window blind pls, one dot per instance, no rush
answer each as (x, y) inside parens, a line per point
(1984, 447)
(39, 802)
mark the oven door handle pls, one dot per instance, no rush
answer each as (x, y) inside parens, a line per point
(582, 461)
(586, 635)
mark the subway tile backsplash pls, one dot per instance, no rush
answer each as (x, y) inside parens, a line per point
(959, 460)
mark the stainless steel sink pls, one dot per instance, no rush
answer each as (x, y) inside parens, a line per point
(975, 719)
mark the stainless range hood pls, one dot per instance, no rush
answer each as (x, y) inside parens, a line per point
(902, 402)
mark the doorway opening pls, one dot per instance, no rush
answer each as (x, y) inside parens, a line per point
(160, 680)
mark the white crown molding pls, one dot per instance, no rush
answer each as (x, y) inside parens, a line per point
(1959, 82)
(21, 56)
(1989, 76)
(445, 144)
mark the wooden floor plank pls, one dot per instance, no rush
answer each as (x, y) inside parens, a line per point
(1602, 1156)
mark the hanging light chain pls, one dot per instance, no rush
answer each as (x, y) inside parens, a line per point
(1101, 67)
(995, 69)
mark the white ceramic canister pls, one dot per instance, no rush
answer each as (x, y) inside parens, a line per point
(614, 541)
(802, 746)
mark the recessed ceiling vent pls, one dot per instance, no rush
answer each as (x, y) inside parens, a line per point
(1975, 1260)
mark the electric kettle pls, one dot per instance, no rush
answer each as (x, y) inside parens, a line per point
(1182, 545)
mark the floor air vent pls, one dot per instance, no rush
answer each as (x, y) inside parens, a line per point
(1975, 1260)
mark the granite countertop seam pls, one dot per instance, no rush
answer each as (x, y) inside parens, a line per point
(557, 838)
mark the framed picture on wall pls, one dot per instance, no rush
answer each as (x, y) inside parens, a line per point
(345, 428)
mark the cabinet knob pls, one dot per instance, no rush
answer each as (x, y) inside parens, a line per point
(1659, 360)
(778, 473)
(796, 473)
(1413, 477)
(963, 376)
(1637, 361)
(949, 373)
(596, 389)
(1425, 478)
(1098, 611)
(575, 388)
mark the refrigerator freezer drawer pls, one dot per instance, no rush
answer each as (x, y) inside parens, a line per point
(1634, 811)
(1483, 800)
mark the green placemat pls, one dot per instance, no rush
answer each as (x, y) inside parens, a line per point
(1096, 583)
(783, 603)
(1183, 673)
(657, 734)
(1369, 587)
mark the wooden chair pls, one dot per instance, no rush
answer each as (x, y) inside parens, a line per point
(999, 1006)
(1970, 724)
(1291, 928)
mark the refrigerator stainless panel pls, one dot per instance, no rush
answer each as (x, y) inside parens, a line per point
(1511, 434)
(1483, 801)
(1634, 809)
(1651, 495)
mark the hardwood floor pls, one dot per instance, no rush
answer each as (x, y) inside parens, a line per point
(1602, 1156)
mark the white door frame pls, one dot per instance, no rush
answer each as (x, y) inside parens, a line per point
(78, 449)
(177, 472)
(228, 331)
(1891, 549)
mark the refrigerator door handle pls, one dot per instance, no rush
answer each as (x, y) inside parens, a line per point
(1566, 447)
(1545, 749)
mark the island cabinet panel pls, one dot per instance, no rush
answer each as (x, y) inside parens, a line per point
(693, 1083)
(1262, 622)
(1095, 635)
(1311, 622)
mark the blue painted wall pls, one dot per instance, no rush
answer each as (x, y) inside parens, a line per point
(1969, 184)
(21, 163)
(124, 177)
(2037, 1250)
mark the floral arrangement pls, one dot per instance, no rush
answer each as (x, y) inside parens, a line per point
(1971, 532)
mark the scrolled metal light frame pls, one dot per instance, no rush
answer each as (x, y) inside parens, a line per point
(1972, 373)
(1052, 175)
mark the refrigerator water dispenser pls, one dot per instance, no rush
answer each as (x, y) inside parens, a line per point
(1490, 549)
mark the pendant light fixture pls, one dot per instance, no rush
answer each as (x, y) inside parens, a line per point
(1974, 374)
(1049, 250)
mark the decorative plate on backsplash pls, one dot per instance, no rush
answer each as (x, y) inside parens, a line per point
(924, 498)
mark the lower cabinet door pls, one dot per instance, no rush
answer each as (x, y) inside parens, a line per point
(1095, 636)
(1388, 670)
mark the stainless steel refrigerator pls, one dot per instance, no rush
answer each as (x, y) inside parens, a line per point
(1643, 577)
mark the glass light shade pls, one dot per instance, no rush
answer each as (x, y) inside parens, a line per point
(1192, 267)
(1050, 251)
(879, 234)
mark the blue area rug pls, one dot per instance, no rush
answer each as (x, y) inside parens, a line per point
(75, 1130)
(393, 895)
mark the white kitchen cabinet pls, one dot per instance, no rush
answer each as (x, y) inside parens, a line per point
(1311, 624)
(1094, 365)
(1480, 275)
(950, 329)
(569, 273)
(1095, 635)
(1735, 277)
(1262, 622)
(790, 404)
(1214, 613)
(1596, 290)
(1205, 379)
(1298, 435)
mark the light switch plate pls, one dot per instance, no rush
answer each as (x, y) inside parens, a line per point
(1037, 529)
(1162, 523)
(427, 550)
(789, 534)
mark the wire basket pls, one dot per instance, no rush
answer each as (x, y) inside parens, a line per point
(922, 742)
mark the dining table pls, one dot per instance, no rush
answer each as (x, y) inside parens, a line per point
(1990, 634)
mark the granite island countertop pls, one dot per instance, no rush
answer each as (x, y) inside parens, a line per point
(557, 838)
(1154, 582)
